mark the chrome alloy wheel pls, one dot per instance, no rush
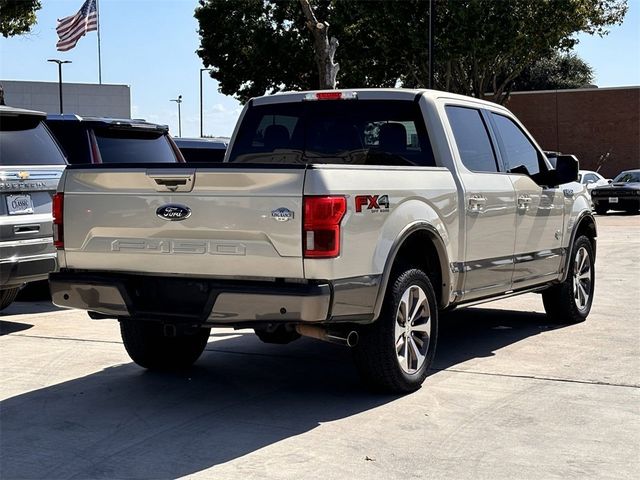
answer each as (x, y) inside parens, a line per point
(412, 329)
(582, 279)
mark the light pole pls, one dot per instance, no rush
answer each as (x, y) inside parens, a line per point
(432, 23)
(59, 62)
(178, 101)
(201, 121)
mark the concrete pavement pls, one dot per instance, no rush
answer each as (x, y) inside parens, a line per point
(511, 396)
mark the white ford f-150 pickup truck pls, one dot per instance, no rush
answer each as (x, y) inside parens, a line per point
(349, 216)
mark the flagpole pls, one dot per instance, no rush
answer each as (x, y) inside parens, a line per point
(99, 55)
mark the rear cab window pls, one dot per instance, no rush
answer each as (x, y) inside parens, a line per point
(24, 140)
(352, 132)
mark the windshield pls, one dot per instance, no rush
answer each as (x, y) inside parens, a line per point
(365, 132)
(123, 146)
(26, 141)
(627, 177)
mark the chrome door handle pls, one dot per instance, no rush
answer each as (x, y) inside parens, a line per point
(523, 202)
(477, 203)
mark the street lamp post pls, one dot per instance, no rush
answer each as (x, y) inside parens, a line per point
(59, 62)
(178, 101)
(201, 120)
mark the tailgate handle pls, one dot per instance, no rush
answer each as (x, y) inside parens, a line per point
(181, 182)
(171, 182)
(18, 229)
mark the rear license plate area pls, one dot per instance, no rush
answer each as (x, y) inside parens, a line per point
(613, 199)
(19, 204)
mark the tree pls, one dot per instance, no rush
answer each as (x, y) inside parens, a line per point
(485, 45)
(324, 48)
(17, 16)
(264, 46)
(558, 71)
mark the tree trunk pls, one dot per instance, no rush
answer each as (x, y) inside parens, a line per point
(325, 48)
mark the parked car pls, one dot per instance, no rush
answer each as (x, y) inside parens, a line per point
(108, 140)
(202, 150)
(592, 179)
(31, 164)
(339, 215)
(622, 194)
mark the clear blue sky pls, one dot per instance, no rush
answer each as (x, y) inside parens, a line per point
(150, 45)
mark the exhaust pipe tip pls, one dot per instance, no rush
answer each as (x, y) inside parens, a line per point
(348, 339)
(352, 338)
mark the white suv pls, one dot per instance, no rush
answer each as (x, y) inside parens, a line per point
(31, 165)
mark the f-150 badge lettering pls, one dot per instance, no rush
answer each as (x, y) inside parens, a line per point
(173, 212)
(282, 214)
(375, 203)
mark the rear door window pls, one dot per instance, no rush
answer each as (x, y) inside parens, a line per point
(358, 132)
(123, 146)
(472, 139)
(26, 141)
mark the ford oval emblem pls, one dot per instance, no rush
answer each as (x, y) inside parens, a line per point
(282, 214)
(173, 212)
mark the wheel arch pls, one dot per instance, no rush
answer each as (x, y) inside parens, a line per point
(432, 259)
(585, 225)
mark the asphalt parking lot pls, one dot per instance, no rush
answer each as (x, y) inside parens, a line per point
(511, 396)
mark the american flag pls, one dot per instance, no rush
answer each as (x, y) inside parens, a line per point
(71, 29)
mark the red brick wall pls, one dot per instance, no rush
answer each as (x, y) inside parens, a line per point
(587, 123)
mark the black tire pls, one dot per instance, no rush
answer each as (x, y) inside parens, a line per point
(8, 296)
(147, 345)
(560, 301)
(376, 355)
(601, 210)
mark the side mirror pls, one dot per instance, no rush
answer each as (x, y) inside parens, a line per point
(566, 170)
(609, 180)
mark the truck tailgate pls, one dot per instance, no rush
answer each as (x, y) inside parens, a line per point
(239, 221)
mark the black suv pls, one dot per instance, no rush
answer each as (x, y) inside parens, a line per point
(202, 150)
(31, 164)
(110, 140)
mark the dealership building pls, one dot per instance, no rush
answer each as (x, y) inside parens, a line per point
(87, 99)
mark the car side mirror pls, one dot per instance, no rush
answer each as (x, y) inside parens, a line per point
(609, 180)
(566, 170)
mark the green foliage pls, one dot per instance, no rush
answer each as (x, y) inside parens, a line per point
(558, 71)
(17, 16)
(263, 46)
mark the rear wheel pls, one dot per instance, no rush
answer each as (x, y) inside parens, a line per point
(570, 301)
(8, 296)
(394, 353)
(148, 346)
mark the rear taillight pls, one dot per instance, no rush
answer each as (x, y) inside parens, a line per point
(58, 208)
(321, 231)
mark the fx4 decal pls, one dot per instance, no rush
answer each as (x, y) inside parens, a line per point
(375, 203)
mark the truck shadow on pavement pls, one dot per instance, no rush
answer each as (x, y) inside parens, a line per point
(242, 396)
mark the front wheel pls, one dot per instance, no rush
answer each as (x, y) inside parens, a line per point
(148, 346)
(395, 353)
(570, 301)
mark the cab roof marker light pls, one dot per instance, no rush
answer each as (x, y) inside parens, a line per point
(337, 95)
